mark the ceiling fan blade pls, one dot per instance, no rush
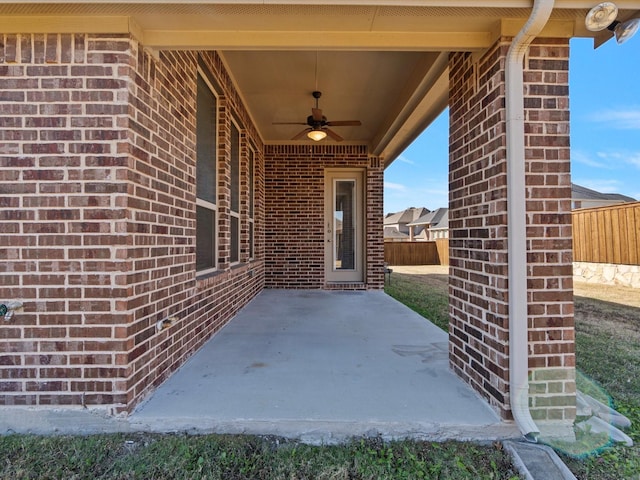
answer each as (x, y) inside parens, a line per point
(288, 123)
(301, 134)
(333, 134)
(345, 123)
(316, 113)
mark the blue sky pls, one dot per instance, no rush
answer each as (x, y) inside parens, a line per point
(604, 96)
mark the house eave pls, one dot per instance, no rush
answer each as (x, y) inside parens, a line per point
(428, 30)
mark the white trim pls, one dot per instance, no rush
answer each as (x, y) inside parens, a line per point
(357, 274)
(235, 213)
(204, 203)
(251, 182)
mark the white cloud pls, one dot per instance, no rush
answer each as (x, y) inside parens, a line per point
(395, 186)
(633, 159)
(584, 159)
(608, 156)
(621, 119)
(617, 158)
(404, 159)
(436, 197)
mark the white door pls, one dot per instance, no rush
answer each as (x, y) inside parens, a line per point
(344, 226)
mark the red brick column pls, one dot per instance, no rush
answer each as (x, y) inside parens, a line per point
(479, 349)
(374, 199)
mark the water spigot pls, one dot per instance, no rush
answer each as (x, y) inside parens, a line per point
(7, 310)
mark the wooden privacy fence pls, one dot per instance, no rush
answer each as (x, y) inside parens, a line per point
(607, 234)
(417, 253)
(442, 245)
(600, 235)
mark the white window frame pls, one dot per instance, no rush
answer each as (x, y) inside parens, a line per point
(204, 203)
(232, 213)
(251, 161)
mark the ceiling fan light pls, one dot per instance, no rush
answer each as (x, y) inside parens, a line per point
(625, 30)
(601, 16)
(317, 135)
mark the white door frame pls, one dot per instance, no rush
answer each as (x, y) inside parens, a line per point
(335, 243)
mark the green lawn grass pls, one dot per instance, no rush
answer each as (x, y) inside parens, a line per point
(430, 301)
(608, 353)
(607, 357)
(144, 456)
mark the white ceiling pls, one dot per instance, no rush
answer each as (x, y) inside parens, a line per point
(355, 85)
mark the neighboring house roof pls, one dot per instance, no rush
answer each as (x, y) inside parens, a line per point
(433, 219)
(442, 224)
(406, 216)
(391, 232)
(421, 235)
(578, 192)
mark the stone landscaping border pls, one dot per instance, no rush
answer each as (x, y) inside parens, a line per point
(607, 274)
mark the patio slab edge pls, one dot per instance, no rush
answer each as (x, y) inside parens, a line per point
(319, 432)
(71, 421)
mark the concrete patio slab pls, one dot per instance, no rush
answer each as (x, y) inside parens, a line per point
(323, 366)
(316, 366)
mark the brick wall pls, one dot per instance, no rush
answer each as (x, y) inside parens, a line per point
(63, 116)
(98, 208)
(294, 229)
(164, 101)
(374, 199)
(478, 228)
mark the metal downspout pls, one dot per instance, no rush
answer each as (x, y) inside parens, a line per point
(516, 213)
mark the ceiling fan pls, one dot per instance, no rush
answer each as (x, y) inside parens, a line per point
(318, 124)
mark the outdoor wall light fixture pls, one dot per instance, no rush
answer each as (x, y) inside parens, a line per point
(624, 30)
(317, 135)
(604, 16)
